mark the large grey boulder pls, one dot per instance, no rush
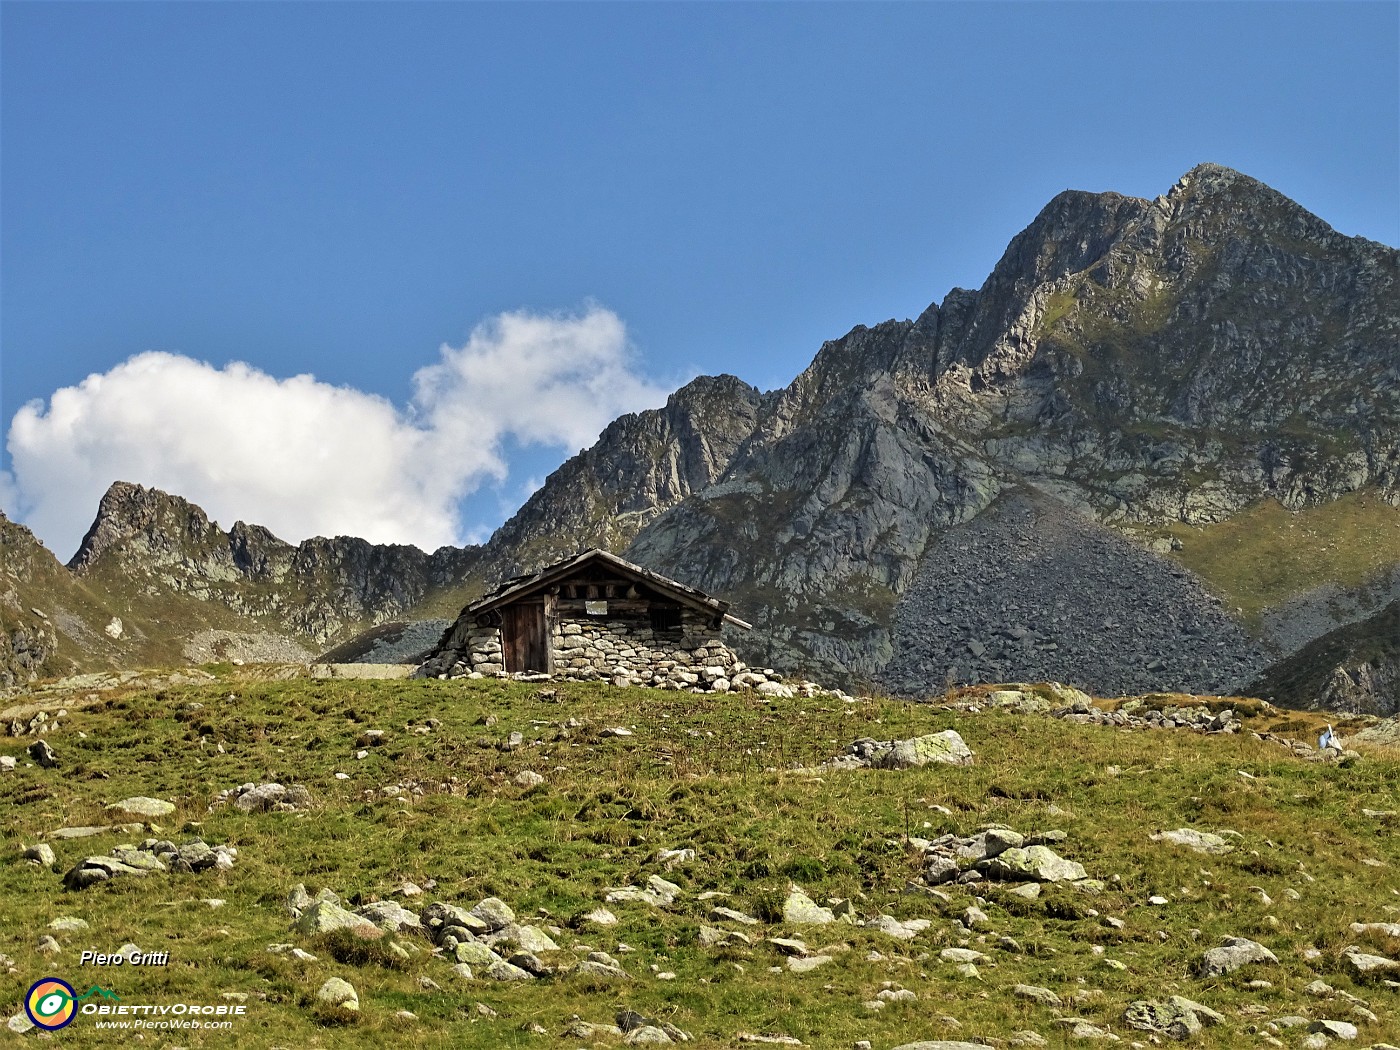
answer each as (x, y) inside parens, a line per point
(1177, 1017)
(495, 913)
(475, 953)
(261, 798)
(1234, 953)
(946, 747)
(323, 917)
(1040, 863)
(92, 870)
(340, 994)
(390, 916)
(141, 806)
(1367, 966)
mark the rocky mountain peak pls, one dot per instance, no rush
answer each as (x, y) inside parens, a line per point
(145, 524)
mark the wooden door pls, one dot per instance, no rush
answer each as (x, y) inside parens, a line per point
(525, 637)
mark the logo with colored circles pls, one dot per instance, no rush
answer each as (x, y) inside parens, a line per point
(51, 1003)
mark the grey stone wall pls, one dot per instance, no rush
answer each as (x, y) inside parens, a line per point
(627, 650)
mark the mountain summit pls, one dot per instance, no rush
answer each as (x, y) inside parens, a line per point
(1099, 467)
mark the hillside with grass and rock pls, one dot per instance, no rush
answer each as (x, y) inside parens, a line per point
(1158, 449)
(489, 863)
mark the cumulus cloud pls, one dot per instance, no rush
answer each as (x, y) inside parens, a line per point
(307, 458)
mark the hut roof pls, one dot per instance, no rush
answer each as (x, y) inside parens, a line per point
(521, 586)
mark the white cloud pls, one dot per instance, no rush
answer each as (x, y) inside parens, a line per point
(306, 458)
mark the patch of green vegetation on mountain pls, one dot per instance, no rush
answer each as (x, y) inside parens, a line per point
(712, 774)
(1267, 554)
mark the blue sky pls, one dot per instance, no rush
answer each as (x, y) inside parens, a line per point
(445, 211)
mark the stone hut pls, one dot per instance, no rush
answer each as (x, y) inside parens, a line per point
(593, 616)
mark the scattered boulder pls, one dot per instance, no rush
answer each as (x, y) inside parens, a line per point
(744, 919)
(339, 994)
(390, 916)
(42, 854)
(504, 971)
(494, 913)
(263, 798)
(1200, 841)
(1036, 994)
(91, 870)
(1177, 1017)
(41, 753)
(1234, 953)
(906, 930)
(1034, 862)
(1343, 1030)
(800, 910)
(141, 806)
(946, 747)
(1367, 966)
(323, 917)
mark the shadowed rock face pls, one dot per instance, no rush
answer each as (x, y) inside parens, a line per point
(1355, 669)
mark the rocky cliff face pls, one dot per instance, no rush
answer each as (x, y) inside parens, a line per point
(1142, 362)
(145, 543)
(1354, 669)
(50, 623)
(642, 464)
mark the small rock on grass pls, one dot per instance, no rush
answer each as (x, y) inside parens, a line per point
(1343, 1030)
(340, 994)
(1200, 841)
(142, 806)
(1043, 996)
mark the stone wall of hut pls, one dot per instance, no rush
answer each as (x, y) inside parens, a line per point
(624, 649)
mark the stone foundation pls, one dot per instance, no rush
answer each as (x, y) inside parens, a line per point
(623, 650)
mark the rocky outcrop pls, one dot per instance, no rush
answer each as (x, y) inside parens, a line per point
(48, 620)
(1354, 669)
(1141, 361)
(316, 589)
(642, 464)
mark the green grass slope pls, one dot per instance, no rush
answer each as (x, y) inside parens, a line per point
(437, 800)
(1267, 554)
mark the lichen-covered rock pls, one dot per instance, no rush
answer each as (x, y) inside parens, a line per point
(323, 917)
(1234, 953)
(1033, 862)
(495, 913)
(1200, 841)
(339, 993)
(141, 806)
(800, 910)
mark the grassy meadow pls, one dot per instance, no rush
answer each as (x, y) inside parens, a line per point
(436, 801)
